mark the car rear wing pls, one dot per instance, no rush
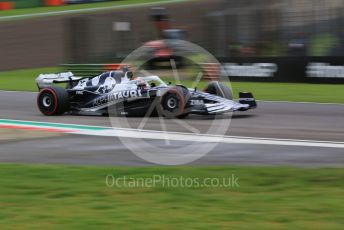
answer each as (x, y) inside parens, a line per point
(45, 80)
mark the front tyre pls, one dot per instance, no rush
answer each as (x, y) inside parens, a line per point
(53, 100)
(219, 89)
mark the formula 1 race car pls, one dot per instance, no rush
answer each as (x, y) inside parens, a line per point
(118, 93)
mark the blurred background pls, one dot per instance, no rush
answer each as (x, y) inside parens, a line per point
(297, 41)
(226, 28)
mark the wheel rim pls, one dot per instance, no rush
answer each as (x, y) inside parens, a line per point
(172, 103)
(46, 100)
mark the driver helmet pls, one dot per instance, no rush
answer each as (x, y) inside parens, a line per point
(141, 84)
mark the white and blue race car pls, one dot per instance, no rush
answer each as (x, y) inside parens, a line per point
(117, 92)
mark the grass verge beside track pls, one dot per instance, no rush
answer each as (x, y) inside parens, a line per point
(24, 80)
(65, 197)
(297, 92)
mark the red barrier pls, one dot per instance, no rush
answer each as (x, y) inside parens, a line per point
(6, 5)
(115, 66)
(53, 2)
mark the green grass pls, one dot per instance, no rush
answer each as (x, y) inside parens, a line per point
(325, 93)
(297, 92)
(38, 10)
(24, 80)
(61, 197)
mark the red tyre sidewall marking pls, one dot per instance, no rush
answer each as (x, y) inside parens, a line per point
(55, 99)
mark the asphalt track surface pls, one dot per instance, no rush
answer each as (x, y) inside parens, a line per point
(304, 121)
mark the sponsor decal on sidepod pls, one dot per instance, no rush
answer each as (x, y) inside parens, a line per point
(117, 96)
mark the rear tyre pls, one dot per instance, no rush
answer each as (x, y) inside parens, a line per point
(219, 89)
(53, 100)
